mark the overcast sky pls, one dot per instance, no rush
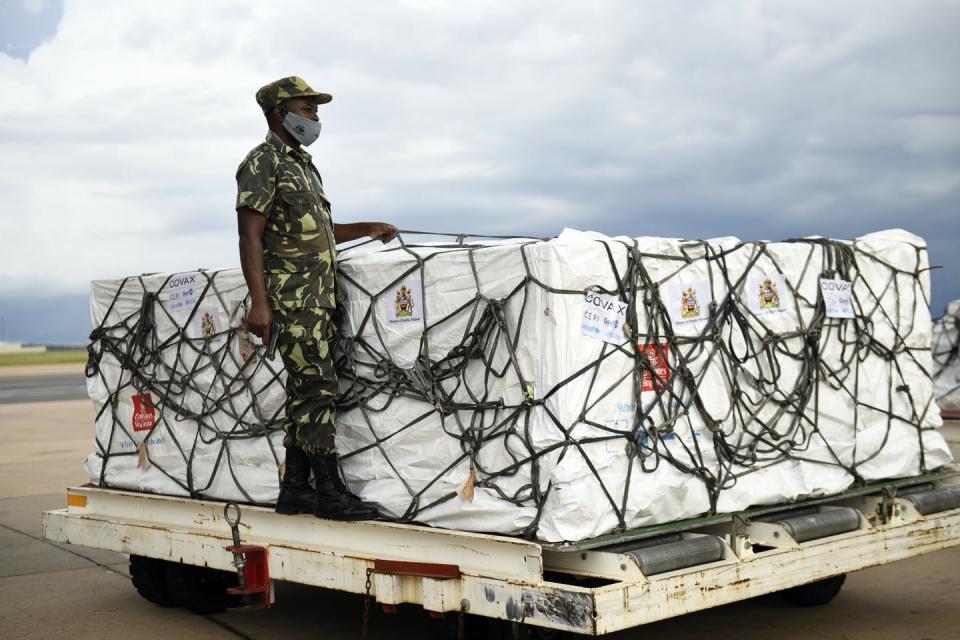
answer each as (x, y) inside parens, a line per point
(122, 123)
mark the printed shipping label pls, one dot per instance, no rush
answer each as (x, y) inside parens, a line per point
(837, 297)
(144, 413)
(621, 420)
(182, 291)
(689, 302)
(245, 344)
(151, 442)
(603, 317)
(404, 302)
(658, 358)
(768, 294)
(615, 446)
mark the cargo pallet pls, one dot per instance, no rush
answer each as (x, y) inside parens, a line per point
(592, 587)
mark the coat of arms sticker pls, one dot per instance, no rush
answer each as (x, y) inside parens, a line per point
(688, 302)
(404, 302)
(768, 294)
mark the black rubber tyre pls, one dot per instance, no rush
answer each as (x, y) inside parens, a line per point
(445, 628)
(504, 630)
(149, 577)
(474, 628)
(200, 589)
(815, 593)
(479, 628)
(542, 633)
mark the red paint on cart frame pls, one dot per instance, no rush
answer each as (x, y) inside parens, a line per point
(658, 358)
(144, 413)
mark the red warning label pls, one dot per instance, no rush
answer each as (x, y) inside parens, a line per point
(144, 413)
(658, 357)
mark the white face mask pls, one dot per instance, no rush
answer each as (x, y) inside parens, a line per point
(304, 130)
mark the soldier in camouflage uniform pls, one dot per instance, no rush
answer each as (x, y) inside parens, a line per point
(288, 254)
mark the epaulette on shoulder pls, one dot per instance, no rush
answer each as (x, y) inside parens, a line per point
(264, 150)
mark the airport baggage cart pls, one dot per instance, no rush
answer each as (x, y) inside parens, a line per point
(187, 551)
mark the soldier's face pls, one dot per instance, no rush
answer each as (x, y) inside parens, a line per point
(302, 107)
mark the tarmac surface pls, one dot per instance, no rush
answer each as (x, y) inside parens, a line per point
(42, 384)
(63, 591)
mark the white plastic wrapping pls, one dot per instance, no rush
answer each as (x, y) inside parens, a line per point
(491, 387)
(184, 404)
(946, 359)
(578, 468)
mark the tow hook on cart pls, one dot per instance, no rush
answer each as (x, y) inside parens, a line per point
(253, 571)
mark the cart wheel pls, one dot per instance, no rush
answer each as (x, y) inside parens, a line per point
(480, 628)
(445, 628)
(200, 589)
(530, 632)
(520, 631)
(149, 579)
(815, 593)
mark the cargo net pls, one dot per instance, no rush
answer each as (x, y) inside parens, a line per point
(946, 360)
(774, 373)
(187, 404)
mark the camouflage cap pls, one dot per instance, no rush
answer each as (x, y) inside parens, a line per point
(276, 92)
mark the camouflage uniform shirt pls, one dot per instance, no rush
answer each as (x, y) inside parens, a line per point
(298, 244)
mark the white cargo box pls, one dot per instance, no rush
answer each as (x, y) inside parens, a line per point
(946, 360)
(557, 389)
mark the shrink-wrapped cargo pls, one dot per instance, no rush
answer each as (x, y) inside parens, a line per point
(946, 360)
(559, 389)
(184, 403)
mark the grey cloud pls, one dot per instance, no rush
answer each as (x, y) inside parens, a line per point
(761, 120)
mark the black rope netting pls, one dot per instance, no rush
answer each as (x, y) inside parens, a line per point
(946, 359)
(711, 361)
(178, 379)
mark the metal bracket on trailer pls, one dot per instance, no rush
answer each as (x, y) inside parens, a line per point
(789, 528)
(253, 568)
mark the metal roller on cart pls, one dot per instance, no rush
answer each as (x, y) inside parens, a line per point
(590, 587)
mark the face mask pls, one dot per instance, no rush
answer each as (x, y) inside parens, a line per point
(304, 130)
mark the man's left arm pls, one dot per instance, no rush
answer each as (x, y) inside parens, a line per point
(382, 231)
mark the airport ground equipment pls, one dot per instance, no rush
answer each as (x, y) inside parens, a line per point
(591, 587)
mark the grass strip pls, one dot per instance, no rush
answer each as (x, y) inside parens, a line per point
(63, 356)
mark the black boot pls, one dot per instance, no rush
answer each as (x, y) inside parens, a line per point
(296, 494)
(332, 499)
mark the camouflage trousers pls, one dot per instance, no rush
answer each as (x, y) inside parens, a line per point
(305, 345)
